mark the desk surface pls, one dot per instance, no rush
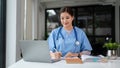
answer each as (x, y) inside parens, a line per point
(62, 64)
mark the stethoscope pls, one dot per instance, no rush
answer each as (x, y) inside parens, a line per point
(77, 43)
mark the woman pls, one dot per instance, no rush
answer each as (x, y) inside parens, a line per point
(68, 40)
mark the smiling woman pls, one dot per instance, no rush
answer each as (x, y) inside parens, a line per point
(68, 40)
(2, 32)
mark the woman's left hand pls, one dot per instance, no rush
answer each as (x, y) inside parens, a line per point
(70, 54)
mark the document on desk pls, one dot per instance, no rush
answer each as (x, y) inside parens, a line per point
(88, 58)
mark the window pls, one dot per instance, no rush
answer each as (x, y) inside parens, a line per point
(52, 20)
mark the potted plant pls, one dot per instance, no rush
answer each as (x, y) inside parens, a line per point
(112, 49)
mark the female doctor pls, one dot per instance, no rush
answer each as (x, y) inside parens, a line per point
(68, 40)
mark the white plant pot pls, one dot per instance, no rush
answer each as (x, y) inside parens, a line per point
(112, 54)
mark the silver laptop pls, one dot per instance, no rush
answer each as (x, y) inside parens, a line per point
(35, 51)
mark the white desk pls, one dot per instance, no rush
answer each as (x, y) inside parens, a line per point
(62, 64)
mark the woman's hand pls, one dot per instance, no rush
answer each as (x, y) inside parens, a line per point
(70, 54)
(55, 55)
(85, 53)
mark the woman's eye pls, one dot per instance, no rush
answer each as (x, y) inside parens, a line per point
(62, 18)
(67, 17)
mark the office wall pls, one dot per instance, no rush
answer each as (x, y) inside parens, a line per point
(33, 26)
(35, 18)
(117, 23)
(28, 21)
(117, 28)
(41, 27)
(11, 32)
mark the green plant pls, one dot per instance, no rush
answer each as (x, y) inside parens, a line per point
(111, 46)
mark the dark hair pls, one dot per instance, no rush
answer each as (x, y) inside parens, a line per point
(67, 9)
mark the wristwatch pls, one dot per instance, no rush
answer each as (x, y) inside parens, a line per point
(79, 56)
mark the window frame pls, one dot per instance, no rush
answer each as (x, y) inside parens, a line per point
(3, 33)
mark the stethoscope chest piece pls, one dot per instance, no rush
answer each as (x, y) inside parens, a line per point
(62, 39)
(77, 43)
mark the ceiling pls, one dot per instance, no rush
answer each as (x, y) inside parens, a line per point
(76, 1)
(60, 3)
(64, 0)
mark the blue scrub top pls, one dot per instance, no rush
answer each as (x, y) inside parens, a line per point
(68, 43)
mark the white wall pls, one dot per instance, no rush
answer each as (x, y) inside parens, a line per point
(41, 24)
(28, 20)
(35, 17)
(13, 30)
(32, 20)
(38, 20)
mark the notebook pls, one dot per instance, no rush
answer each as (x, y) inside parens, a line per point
(35, 51)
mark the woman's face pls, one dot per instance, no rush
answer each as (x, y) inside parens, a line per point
(66, 19)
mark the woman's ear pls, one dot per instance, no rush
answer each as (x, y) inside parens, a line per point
(73, 20)
(73, 17)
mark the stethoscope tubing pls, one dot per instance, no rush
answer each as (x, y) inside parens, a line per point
(59, 32)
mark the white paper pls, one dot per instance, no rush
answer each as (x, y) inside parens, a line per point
(88, 58)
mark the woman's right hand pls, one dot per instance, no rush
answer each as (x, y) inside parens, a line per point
(55, 55)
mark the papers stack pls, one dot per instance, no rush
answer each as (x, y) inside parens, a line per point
(88, 58)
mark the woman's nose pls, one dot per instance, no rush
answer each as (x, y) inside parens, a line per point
(64, 20)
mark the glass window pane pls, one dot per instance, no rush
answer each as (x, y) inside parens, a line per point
(52, 20)
(85, 20)
(102, 21)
